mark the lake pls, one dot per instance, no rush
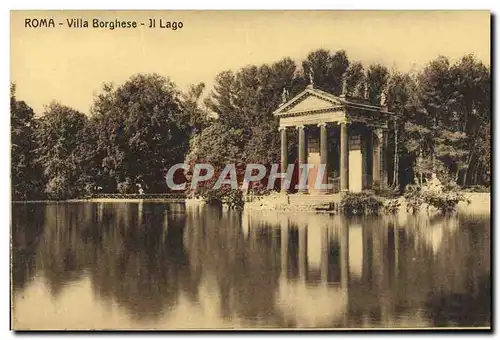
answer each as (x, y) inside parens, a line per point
(172, 266)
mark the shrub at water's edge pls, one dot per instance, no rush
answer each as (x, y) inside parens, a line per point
(360, 204)
(416, 199)
(444, 202)
(231, 198)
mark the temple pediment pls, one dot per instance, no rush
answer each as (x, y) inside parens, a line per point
(309, 100)
(311, 103)
(314, 106)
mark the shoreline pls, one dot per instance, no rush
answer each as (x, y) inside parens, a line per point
(479, 203)
(106, 200)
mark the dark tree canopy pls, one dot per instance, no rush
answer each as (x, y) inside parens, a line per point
(58, 135)
(141, 131)
(25, 174)
(137, 130)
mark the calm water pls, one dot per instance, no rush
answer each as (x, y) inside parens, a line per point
(166, 266)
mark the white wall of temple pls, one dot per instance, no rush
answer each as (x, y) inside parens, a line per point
(355, 171)
(313, 158)
(355, 162)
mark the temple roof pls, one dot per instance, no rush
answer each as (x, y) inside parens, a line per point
(312, 99)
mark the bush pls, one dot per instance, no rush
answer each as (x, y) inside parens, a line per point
(388, 192)
(259, 189)
(360, 204)
(445, 202)
(414, 198)
(232, 198)
(125, 187)
(391, 206)
(477, 188)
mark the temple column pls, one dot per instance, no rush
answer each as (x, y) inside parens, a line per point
(364, 161)
(380, 158)
(323, 141)
(284, 156)
(383, 160)
(344, 157)
(302, 152)
(376, 140)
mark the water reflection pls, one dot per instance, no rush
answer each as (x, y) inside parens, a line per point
(165, 266)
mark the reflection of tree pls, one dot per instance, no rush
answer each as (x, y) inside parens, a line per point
(61, 256)
(130, 255)
(246, 269)
(26, 228)
(462, 309)
(137, 256)
(408, 272)
(462, 294)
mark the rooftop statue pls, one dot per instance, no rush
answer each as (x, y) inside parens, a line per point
(344, 85)
(311, 77)
(284, 96)
(383, 99)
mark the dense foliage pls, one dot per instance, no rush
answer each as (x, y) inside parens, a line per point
(134, 134)
(140, 132)
(360, 204)
(230, 198)
(58, 136)
(417, 197)
(137, 130)
(25, 172)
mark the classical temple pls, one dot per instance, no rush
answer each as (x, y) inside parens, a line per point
(347, 134)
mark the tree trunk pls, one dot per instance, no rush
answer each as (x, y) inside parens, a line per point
(475, 172)
(469, 161)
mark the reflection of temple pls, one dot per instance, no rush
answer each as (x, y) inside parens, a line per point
(314, 270)
(352, 273)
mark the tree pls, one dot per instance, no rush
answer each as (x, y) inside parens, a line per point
(472, 114)
(222, 97)
(443, 120)
(58, 134)
(403, 102)
(194, 114)
(88, 158)
(219, 145)
(455, 101)
(328, 69)
(142, 131)
(25, 173)
(244, 103)
(376, 76)
(355, 78)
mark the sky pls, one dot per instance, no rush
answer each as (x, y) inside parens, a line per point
(71, 64)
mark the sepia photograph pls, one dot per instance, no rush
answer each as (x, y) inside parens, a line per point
(250, 170)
